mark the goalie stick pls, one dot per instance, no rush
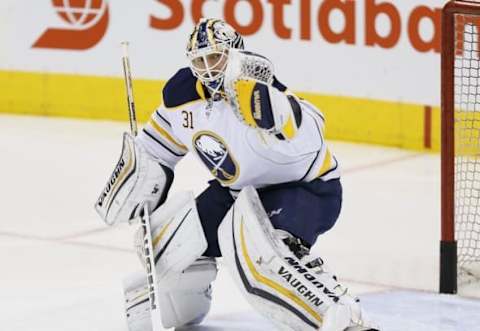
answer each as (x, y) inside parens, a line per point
(145, 218)
(127, 74)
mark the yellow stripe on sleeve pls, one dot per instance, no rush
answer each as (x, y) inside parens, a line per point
(166, 135)
(327, 163)
(289, 130)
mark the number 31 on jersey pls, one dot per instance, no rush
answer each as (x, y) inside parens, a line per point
(187, 119)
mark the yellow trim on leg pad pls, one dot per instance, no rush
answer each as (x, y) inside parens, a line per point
(270, 283)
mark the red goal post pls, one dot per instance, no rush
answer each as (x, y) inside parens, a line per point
(460, 161)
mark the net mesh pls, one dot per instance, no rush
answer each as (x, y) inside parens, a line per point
(467, 144)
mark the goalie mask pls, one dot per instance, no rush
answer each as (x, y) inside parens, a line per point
(207, 51)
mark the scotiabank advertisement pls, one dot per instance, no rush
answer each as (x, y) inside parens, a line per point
(375, 49)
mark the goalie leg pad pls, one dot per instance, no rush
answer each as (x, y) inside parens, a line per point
(272, 279)
(177, 235)
(185, 297)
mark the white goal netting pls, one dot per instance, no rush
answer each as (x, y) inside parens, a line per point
(467, 145)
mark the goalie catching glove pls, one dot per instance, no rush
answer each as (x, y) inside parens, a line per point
(248, 86)
(138, 179)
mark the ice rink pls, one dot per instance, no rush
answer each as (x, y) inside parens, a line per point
(62, 268)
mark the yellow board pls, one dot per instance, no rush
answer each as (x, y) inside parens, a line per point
(467, 134)
(351, 119)
(48, 94)
(377, 122)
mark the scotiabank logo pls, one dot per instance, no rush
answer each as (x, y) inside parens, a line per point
(86, 23)
(383, 25)
(315, 18)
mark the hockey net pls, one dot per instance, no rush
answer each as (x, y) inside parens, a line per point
(460, 145)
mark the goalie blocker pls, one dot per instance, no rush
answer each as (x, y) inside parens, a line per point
(138, 179)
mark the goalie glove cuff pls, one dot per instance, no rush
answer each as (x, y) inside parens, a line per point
(249, 90)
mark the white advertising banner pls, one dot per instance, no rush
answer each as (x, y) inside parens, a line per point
(376, 49)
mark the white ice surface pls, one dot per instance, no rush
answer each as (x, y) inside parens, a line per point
(402, 310)
(61, 268)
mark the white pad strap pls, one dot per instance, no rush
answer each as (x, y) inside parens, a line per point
(138, 179)
(271, 277)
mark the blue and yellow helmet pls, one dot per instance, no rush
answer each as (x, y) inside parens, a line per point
(207, 51)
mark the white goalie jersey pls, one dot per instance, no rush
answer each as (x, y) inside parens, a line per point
(236, 154)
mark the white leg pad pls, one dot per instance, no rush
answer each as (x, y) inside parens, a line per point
(184, 297)
(272, 279)
(137, 306)
(178, 238)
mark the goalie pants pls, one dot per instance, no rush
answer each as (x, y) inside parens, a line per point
(306, 210)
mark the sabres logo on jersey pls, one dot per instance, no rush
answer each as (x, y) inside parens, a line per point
(213, 151)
